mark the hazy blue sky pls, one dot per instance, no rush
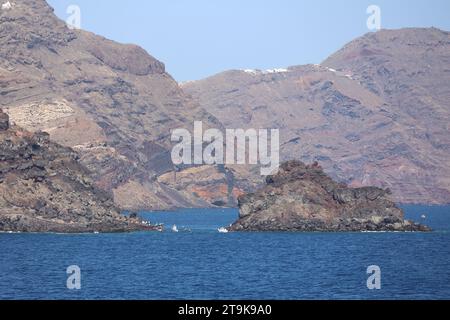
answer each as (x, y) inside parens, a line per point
(198, 38)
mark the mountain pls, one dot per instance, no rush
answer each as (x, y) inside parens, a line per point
(112, 103)
(303, 198)
(44, 188)
(375, 113)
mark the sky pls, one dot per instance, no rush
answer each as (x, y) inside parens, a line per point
(198, 38)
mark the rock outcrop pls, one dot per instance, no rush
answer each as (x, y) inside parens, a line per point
(44, 188)
(303, 198)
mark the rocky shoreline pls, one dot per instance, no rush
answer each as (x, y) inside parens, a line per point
(303, 198)
(44, 188)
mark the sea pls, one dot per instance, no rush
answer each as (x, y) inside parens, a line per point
(198, 262)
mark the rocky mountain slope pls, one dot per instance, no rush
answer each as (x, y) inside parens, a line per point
(304, 198)
(43, 188)
(375, 113)
(113, 103)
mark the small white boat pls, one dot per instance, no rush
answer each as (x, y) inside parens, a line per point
(174, 228)
(222, 230)
(423, 216)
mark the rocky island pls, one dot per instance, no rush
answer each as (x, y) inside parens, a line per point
(303, 198)
(44, 188)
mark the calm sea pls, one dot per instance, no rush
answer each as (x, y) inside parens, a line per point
(200, 263)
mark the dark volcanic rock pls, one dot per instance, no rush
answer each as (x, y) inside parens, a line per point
(4, 121)
(304, 198)
(43, 188)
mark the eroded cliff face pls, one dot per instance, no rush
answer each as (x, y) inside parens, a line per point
(112, 103)
(303, 198)
(375, 113)
(44, 188)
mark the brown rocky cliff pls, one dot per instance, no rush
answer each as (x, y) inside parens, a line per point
(303, 198)
(113, 103)
(376, 113)
(369, 116)
(44, 188)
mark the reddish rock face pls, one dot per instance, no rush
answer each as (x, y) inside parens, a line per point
(304, 198)
(374, 113)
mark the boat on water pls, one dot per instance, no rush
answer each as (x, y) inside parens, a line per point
(174, 228)
(423, 216)
(222, 230)
(157, 227)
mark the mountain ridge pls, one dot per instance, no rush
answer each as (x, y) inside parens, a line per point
(332, 114)
(116, 105)
(113, 103)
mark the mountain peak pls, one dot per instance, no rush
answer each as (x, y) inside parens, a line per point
(375, 113)
(27, 24)
(29, 6)
(390, 42)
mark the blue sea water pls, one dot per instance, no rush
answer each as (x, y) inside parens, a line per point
(206, 264)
